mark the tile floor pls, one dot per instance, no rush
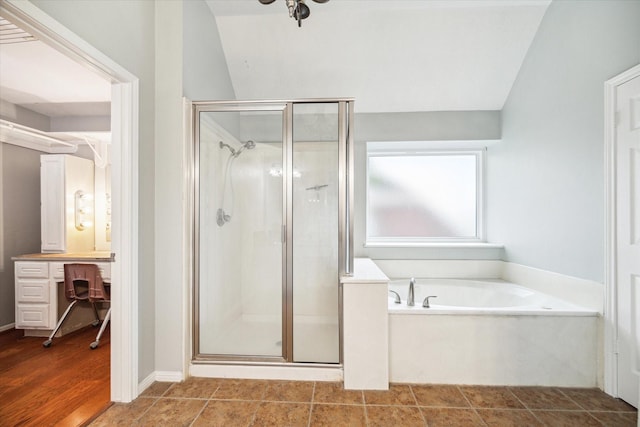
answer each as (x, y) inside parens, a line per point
(230, 402)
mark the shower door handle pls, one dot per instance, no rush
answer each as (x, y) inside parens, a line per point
(283, 236)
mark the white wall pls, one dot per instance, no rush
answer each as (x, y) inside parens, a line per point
(206, 76)
(20, 192)
(545, 179)
(170, 170)
(125, 31)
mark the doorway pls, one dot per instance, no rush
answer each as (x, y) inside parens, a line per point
(124, 123)
(271, 220)
(622, 334)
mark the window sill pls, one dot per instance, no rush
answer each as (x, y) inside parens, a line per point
(439, 245)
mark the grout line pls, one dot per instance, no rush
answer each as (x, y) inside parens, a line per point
(569, 397)
(199, 413)
(474, 409)
(523, 404)
(214, 392)
(415, 399)
(148, 409)
(366, 415)
(313, 393)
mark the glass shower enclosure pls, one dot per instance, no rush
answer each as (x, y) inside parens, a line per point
(272, 229)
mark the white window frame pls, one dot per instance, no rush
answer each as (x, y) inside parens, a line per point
(430, 148)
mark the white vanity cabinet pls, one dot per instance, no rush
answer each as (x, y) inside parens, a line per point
(66, 181)
(39, 286)
(33, 295)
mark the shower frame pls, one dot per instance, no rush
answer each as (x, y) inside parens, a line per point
(345, 220)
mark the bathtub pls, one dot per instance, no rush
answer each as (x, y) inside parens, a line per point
(464, 296)
(490, 332)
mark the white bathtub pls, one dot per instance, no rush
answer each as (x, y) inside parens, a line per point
(463, 296)
(490, 332)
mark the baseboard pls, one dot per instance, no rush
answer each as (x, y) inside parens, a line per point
(7, 327)
(162, 376)
(169, 376)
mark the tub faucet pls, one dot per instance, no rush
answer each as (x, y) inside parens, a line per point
(397, 296)
(410, 297)
(425, 303)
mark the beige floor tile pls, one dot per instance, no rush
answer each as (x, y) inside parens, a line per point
(174, 412)
(337, 415)
(436, 417)
(398, 394)
(617, 419)
(393, 416)
(156, 389)
(491, 397)
(567, 419)
(120, 414)
(508, 418)
(227, 413)
(196, 388)
(439, 396)
(282, 414)
(289, 391)
(593, 399)
(330, 392)
(544, 398)
(240, 389)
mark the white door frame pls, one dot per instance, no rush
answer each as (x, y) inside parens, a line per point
(124, 186)
(610, 280)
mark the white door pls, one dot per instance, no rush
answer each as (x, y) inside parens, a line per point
(628, 238)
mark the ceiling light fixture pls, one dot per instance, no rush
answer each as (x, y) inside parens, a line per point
(297, 8)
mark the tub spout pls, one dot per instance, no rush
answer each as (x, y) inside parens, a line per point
(411, 296)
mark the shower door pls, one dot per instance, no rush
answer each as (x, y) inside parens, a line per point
(239, 235)
(270, 230)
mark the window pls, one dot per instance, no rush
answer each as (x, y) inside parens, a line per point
(419, 196)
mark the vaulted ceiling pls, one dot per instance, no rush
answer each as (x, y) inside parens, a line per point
(392, 56)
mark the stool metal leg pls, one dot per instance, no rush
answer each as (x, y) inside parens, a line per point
(95, 344)
(47, 343)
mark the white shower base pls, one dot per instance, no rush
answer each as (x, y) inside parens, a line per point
(314, 338)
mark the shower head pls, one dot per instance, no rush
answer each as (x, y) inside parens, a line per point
(249, 145)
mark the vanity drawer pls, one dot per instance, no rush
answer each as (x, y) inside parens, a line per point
(32, 269)
(32, 290)
(57, 270)
(32, 316)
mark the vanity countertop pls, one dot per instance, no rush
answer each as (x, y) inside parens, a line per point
(80, 256)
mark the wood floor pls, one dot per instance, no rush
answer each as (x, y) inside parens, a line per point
(66, 384)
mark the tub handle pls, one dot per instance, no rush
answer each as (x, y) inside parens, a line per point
(425, 303)
(397, 300)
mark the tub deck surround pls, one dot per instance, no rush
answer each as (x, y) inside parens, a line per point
(545, 332)
(487, 296)
(581, 292)
(365, 327)
(490, 332)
